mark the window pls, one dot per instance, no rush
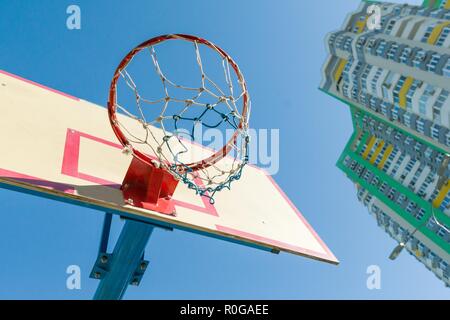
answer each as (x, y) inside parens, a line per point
(392, 52)
(375, 79)
(419, 58)
(401, 199)
(387, 85)
(348, 44)
(397, 9)
(420, 125)
(446, 70)
(355, 93)
(345, 73)
(438, 105)
(364, 76)
(410, 207)
(360, 43)
(409, 141)
(395, 113)
(428, 32)
(345, 90)
(444, 34)
(373, 103)
(370, 45)
(381, 48)
(407, 119)
(420, 214)
(391, 25)
(431, 66)
(411, 92)
(447, 16)
(435, 131)
(428, 153)
(397, 89)
(444, 266)
(339, 41)
(384, 108)
(429, 91)
(422, 249)
(422, 11)
(375, 181)
(406, 55)
(409, 166)
(331, 40)
(435, 13)
(442, 233)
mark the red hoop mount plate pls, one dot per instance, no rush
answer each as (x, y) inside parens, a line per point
(149, 187)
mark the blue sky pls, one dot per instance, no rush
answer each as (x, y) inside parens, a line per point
(279, 46)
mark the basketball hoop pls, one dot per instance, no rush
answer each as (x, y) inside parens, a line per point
(160, 158)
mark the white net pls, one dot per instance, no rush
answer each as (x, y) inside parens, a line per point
(172, 126)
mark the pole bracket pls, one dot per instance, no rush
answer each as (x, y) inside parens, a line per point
(101, 266)
(139, 273)
(103, 263)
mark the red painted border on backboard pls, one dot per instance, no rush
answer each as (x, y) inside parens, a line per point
(36, 181)
(329, 256)
(39, 85)
(276, 243)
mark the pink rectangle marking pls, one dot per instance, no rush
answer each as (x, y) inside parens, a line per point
(70, 167)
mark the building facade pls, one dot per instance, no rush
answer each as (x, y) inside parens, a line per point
(396, 81)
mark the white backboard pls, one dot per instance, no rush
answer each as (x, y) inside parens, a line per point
(61, 147)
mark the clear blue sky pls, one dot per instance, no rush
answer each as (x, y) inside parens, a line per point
(279, 46)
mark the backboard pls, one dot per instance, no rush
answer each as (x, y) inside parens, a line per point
(61, 147)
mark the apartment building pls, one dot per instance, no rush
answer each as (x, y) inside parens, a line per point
(396, 81)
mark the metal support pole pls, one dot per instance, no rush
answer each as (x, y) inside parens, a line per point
(124, 261)
(105, 233)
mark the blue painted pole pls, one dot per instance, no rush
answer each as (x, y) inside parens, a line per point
(125, 259)
(105, 233)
